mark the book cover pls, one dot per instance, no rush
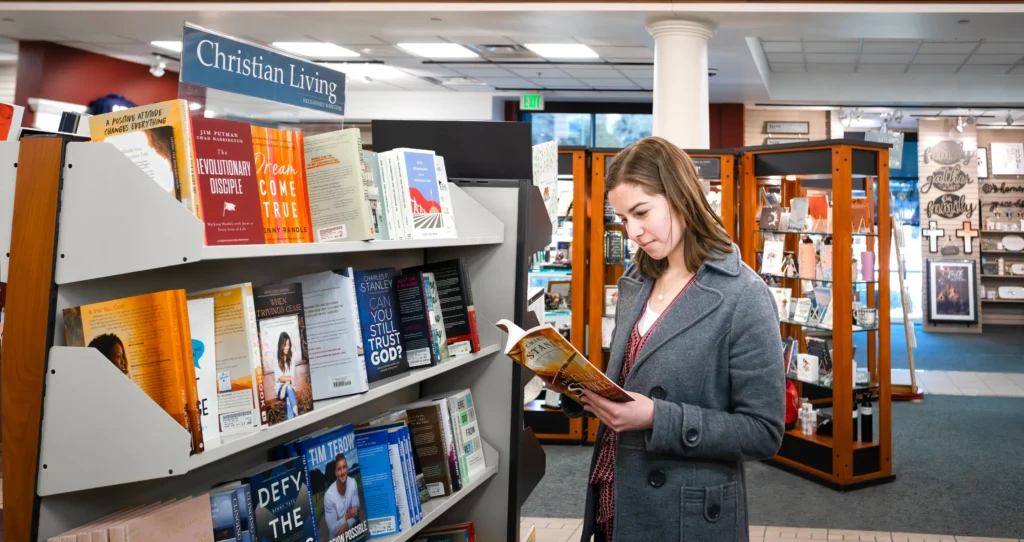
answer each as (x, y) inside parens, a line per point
(403, 496)
(188, 372)
(337, 476)
(455, 292)
(229, 194)
(417, 337)
(245, 513)
(447, 442)
(438, 339)
(332, 330)
(419, 178)
(239, 367)
(202, 326)
(467, 435)
(447, 210)
(281, 322)
(549, 355)
(165, 154)
(281, 178)
(379, 321)
(281, 502)
(10, 121)
(395, 196)
(142, 337)
(339, 203)
(372, 162)
(379, 486)
(227, 523)
(426, 425)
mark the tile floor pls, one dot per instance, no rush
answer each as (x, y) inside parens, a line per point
(964, 383)
(568, 530)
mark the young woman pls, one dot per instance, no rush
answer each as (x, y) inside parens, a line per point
(697, 345)
(284, 370)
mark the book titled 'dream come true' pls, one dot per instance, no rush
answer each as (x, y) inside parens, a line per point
(281, 177)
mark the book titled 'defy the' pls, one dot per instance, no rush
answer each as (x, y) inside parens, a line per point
(281, 501)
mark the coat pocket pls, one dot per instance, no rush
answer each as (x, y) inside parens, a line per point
(709, 514)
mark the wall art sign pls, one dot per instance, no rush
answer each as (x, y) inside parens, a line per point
(1001, 188)
(776, 127)
(895, 140)
(1007, 207)
(947, 179)
(948, 152)
(982, 163)
(949, 248)
(213, 60)
(1008, 158)
(968, 233)
(708, 167)
(951, 291)
(950, 206)
(933, 233)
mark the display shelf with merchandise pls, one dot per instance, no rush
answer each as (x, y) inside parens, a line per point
(833, 168)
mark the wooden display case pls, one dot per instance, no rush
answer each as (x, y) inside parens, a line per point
(839, 167)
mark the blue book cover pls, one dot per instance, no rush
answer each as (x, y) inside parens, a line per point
(280, 497)
(378, 484)
(335, 474)
(245, 513)
(379, 322)
(224, 508)
(424, 194)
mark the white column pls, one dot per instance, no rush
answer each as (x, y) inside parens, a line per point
(681, 80)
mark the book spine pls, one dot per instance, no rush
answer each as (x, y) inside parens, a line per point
(403, 173)
(177, 357)
(460, 445)
(256, 360)
(401, 498)
(387, 165)
(449, 444)
(410, 468)
(383, 226)
(396, 186)
(192, 181)
(367, 204)
(467, 293)
(403, 459)
(193, 407)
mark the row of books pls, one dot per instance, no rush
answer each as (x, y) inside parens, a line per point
(240, 358)
(278, 186)
(341, 484)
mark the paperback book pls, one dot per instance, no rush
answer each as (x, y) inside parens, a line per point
(372, 162)
(385, 512)
(455, 294)
(281, 321)
(281, 175)
(424, 218)
(339, 194)
(204, 347)
(229, 194)
(337, 479)
(379, 322)
(411, 289)
(281, 501)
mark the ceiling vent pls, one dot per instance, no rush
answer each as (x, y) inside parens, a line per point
(459, 81)
(504, 52)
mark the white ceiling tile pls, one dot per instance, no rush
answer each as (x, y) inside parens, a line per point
(902, 59)
(1019, 70)
(871, 46)
(985, 69)
(610, 83)
(637, 71)
(558, 83)
(645, 83)
(881, 68)
(479, 40)
(782, 67)
(633, 53)
(534, 73)
(831, 46)
(939, 59)
(829, 68)
(380, 51)
(480, 72)
(994, 59)
(933, 68)
(635, 40)
(949, 47)
(584, 71)
(508, 82)
(1001, 48)
(831, 58)
(781, 46)
(785, 57)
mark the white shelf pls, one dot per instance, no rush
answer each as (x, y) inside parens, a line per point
(115, 220)
(95, 416)
(433, 508)
(8, 176)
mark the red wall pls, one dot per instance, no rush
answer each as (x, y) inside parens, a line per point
(55, 72)
(726, 123)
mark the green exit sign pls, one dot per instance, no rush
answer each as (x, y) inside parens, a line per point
(532, 102)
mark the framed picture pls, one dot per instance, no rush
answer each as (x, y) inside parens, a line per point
(951, 291)
(611, 299)
(784, 140)
(777, 127)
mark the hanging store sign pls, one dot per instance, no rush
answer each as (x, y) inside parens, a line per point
(216, 61)
(950, 206)
(948, 153)
(947, 179)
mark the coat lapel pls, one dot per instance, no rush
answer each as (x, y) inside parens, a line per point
(633, 294)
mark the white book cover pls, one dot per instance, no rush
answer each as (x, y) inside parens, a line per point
(438, 337)
(392, 185)
(339, 206)
(423, 216)
(807, 368)
(771, 258)
(237, 357)
(447, 211)
(378, 204)
(545, 176)
(332, 334)
(471, 453)
(204, 347)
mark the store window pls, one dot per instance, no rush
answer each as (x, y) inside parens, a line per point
(568, 129)
(617, 131)
(599, 130)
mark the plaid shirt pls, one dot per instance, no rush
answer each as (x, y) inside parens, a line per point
(604, 470)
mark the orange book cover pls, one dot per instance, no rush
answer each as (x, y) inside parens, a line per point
(817, 205)
(141, 336)
(188, 368)
(281, 177)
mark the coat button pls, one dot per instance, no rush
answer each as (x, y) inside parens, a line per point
(658, 392)
(656, 478)
(714, 511)
(691, 436)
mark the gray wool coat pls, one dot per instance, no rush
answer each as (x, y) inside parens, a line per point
(714, 369)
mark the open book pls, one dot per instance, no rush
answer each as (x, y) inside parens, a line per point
(546, 352)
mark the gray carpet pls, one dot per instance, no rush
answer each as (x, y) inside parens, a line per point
(958, 466)
(999, 350)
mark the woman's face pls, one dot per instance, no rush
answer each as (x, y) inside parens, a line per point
(649, 219)
(286, 348)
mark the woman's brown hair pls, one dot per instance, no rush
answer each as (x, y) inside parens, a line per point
(660, 168)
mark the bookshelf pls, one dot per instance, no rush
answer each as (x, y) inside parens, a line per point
(103, 445)
(839, 167)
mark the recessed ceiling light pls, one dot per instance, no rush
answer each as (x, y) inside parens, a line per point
(168, 45)
(562, 50)
(438, 50)
(359, 72)
(315, 49)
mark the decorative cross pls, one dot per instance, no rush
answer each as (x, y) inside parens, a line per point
(933, 233)
(968, 233)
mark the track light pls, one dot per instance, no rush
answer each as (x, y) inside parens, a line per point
(960, 124)
(1009, 118)
(897, 116)
(157, 69)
